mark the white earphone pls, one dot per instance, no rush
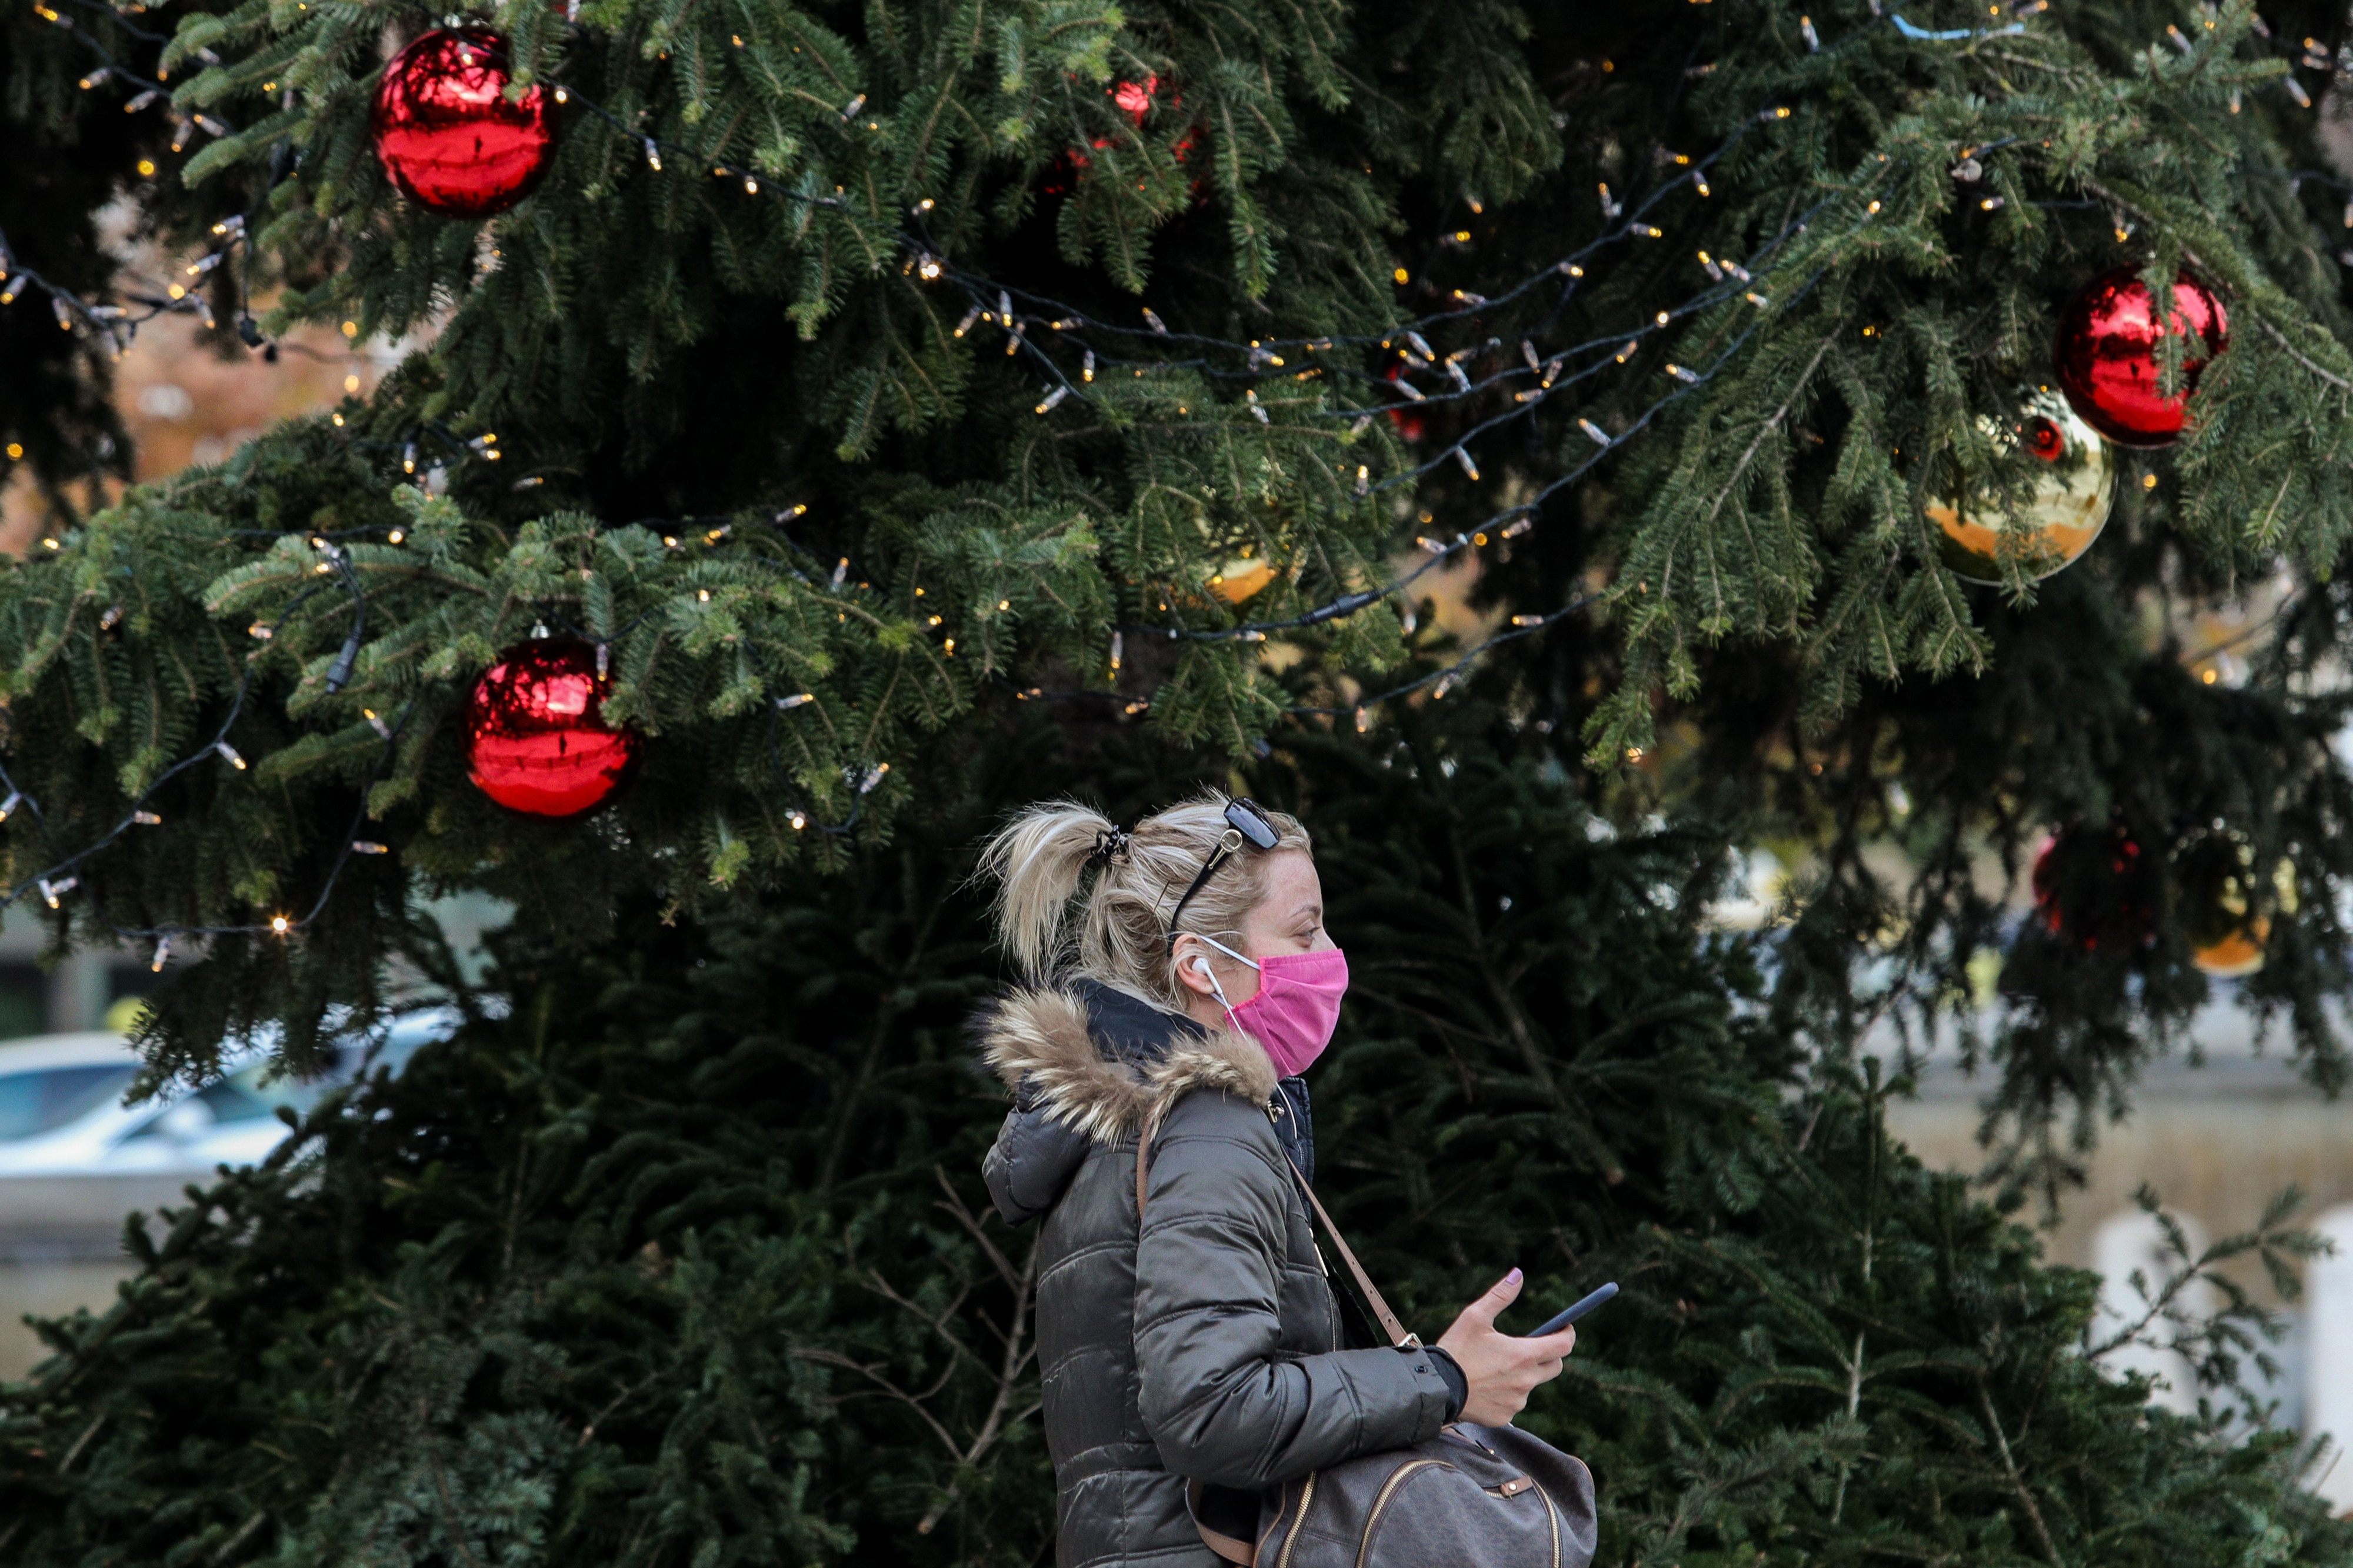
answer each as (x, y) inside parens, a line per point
(1201, 967)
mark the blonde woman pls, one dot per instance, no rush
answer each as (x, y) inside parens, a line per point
(1179, 982)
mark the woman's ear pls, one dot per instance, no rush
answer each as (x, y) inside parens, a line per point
(1193, 967)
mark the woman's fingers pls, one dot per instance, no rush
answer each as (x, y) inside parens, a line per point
(1556, 1345)
(1497, 1297)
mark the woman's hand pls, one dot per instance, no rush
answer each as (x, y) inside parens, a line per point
(1501, 1369)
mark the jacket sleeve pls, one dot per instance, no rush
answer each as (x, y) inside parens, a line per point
(1222, 1402)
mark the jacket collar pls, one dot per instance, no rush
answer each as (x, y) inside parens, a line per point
(1091, 1069)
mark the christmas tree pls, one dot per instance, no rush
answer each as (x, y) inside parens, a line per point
(882, 419)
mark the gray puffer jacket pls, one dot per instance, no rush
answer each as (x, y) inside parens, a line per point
(1208, 1347)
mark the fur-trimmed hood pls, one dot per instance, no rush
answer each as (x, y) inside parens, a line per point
(1054, 1050)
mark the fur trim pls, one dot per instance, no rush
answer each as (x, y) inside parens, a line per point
(1041, 1038)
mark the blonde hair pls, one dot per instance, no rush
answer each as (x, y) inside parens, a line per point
(1117, 932)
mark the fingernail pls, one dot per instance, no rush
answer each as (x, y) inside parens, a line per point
(1513, 1278)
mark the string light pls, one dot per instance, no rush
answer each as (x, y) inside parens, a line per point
(61, 879)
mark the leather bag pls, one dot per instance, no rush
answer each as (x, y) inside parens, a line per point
(1471, 1497)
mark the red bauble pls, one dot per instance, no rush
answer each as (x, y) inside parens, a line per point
(1410, 426)
(446, 133)
(1135, 100)
(2095, 889)
(535, 741)
(2107, 355)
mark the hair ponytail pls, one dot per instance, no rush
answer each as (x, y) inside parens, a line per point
(1038, 861)
(1118, 933)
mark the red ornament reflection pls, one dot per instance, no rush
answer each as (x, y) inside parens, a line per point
(2106, 356)
(2045, 439)
(446, 133)
(535, 741)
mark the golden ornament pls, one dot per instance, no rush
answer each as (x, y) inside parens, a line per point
(2227, 908)
(1241, 577)
(2056, 523)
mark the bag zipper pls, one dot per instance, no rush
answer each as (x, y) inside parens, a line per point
(1381, 1503)
(1552, 1518)
(1306, 1494)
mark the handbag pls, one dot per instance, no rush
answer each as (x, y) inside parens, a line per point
(1471, 1497)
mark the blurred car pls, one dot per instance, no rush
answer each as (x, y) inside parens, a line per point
(74, 1159)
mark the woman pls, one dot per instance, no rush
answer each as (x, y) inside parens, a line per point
(1181, 980)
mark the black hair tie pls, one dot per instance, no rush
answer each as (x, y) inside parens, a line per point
(1111, 841)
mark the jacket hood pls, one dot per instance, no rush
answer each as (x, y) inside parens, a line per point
(1043, 1044)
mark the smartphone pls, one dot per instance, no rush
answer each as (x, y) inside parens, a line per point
(1576, 1310)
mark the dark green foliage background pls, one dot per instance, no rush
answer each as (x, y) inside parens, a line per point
(580, 1286)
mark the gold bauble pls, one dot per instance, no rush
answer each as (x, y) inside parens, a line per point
(2226, 906)
(2239, 955)
(1241, 577)
(2055, 524)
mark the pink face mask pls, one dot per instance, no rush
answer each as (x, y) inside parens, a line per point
(1297, 1005)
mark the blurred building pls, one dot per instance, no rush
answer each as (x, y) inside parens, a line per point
(2216, 1142)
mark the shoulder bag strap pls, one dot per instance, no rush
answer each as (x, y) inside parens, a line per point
(1396, 1332)
(1143, 1137)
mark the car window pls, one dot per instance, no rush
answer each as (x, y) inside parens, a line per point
(47, 1098)
(232, 1102)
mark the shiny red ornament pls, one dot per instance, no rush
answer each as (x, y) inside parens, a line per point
(2107, 361)
(2095, 889)
(445, 133)
(1410, 426)
(1135, 100)
(1135, 97)
(535, 741)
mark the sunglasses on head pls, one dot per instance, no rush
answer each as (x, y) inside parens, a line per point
(1246, 823)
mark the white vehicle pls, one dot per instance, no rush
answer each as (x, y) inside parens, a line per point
(74, 1159)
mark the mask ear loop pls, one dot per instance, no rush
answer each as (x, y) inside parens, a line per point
(1201, 967)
